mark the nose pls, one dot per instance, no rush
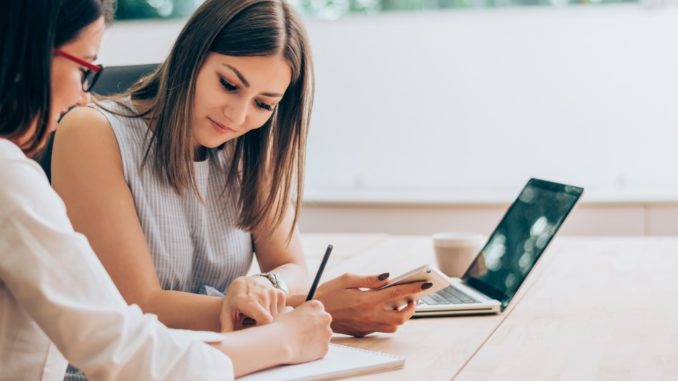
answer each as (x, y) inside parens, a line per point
(236, 113)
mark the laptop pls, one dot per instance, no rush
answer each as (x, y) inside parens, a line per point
(510, 253)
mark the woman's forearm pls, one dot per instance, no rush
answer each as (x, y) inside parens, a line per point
(256, 348)
(295, 276)
(184, 310)
(295, 300)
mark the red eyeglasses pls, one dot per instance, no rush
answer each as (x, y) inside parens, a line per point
(89, 75)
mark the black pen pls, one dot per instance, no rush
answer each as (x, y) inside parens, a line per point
(311, 292)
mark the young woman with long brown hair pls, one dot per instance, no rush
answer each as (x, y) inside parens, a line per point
(180, 181)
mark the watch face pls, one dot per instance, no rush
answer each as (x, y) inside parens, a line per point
(279, 283)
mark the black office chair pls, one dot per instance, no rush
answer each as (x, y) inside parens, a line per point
(116, 79)
(113, 80)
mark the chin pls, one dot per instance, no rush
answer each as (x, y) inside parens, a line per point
(211, 142)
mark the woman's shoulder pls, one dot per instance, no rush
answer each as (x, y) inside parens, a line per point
(83, 123)
(9, 151)
(14, 162)
(85, 138)
(23, 180)
(109, 121)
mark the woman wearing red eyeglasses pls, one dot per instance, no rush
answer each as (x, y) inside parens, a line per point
(57, 302)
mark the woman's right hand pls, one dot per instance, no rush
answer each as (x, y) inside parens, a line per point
(307, 331)
(359, 306)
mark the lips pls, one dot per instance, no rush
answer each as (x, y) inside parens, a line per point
(220, 127)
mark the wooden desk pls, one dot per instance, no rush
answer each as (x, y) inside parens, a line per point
(592, 309)
(605, 309)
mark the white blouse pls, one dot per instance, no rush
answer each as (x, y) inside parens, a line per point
(58, 303)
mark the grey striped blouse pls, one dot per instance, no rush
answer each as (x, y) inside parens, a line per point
(193, 244)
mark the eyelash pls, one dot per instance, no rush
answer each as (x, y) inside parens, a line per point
(227, 85)
(232, 88)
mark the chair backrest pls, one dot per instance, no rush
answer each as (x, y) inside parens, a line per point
(116, 79)
(113, 80)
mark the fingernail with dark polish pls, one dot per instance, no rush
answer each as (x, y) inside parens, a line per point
(384, 276)
(426, 285)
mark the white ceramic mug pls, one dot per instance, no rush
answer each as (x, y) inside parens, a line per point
(456, 251)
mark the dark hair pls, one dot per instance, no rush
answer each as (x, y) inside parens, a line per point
(267, 163)
(74, 15)
(29, 30)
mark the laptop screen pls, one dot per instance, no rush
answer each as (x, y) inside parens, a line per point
(520, 238)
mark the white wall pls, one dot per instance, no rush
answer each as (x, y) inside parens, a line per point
(466, 101)
(469, 101)
(464, 106)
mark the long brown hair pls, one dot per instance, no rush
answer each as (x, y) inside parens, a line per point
(266, 164)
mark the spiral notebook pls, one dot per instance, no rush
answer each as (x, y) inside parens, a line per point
(341, 361)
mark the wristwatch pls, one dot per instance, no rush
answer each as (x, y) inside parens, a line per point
(275, 280)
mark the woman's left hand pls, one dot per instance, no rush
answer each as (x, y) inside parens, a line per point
(250, 300)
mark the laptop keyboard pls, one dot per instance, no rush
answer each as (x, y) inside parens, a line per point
(448, 295)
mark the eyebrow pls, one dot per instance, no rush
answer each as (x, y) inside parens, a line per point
(247, 84)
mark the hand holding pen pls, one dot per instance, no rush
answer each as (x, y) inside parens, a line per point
(309, 325)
